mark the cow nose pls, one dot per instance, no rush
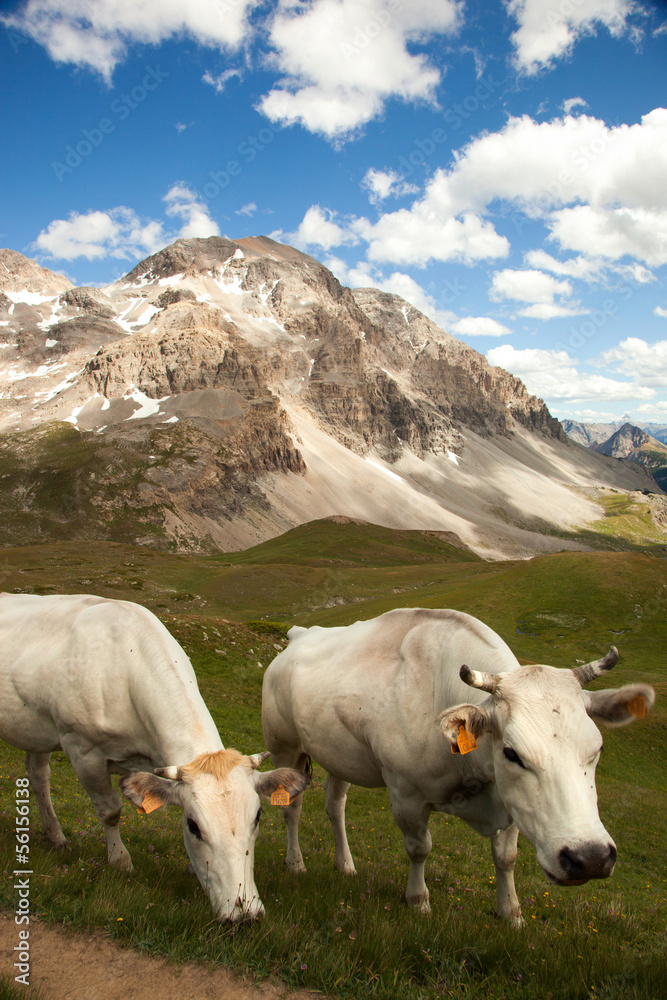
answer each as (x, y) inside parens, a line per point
(588, 861)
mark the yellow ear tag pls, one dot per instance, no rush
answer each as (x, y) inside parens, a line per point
(149, 803)
(280, 797)
(637, 706)
(465, 741)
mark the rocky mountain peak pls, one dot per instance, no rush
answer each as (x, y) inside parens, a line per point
(624, 441)
(23, 274)
(259, 392)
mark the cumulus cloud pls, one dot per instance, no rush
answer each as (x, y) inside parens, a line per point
(553, 374)
(478, 326)
(538, 289)
(184, 204)
(248, 209)
(318, 229)
(640, 360)
(527, 286)
(118, 232)
(549, 31)
(599, 189)
(382, 184)
(341, 60)
(96, 35)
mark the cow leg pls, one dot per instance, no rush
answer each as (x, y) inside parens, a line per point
(504, 851)
(336, 796)
(297, 759)
(412, 817)
(39, 773)
(92, 771)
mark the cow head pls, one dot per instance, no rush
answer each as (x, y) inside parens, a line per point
(219, 794)
(545, 749)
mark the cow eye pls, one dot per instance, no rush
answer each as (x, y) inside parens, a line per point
(259, 813)
(194, 829)
(513, 756)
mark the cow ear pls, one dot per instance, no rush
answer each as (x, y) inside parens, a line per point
(475, 720)
(618, 706)
(149, 792)
(268, 782)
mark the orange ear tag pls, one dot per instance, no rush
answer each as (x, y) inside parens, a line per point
(280, 797)
(149, 803)
(637, 706)
(465, 741)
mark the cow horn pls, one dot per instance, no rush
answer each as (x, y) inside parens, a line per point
(257, 759)
(589, 671)
(172, 772)
(478, 679)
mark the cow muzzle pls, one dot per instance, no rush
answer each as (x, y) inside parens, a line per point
(243, 912)
(583, 862)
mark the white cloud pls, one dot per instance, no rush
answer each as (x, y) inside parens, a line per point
(343, 59)
(420, 234)
(572, 103)
(248, 209)
(576, 267)
(613, 232)
(640, 360)
(550, 310)
(478, 326)
(96, 35)
(599, 189)
(220, 81)
(552, 374)
(116, 233)
(659, 311)
(120, 232)
(382, 184)
(184, 204)
(539, 289)
(527, 286)
(548, 31)
(317, 228)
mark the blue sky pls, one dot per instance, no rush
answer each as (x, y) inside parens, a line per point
(501, 165)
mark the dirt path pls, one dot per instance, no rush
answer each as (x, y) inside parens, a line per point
(76, 965)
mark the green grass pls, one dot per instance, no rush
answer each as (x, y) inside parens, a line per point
(354, 937)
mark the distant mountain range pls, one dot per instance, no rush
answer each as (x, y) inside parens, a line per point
(224, 391)
(645, 445)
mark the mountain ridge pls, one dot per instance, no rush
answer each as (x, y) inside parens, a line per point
(262, 393)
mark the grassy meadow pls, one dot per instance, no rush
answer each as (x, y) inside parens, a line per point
(354, 937)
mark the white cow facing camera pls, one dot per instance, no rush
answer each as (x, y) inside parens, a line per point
(371, 702)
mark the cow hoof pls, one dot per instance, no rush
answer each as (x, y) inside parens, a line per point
(122, 862)
(419, 903)
(296, 867)
(346, 869)
(61, 844)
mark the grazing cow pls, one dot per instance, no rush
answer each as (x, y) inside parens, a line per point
(371, 703)
(106, 682)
